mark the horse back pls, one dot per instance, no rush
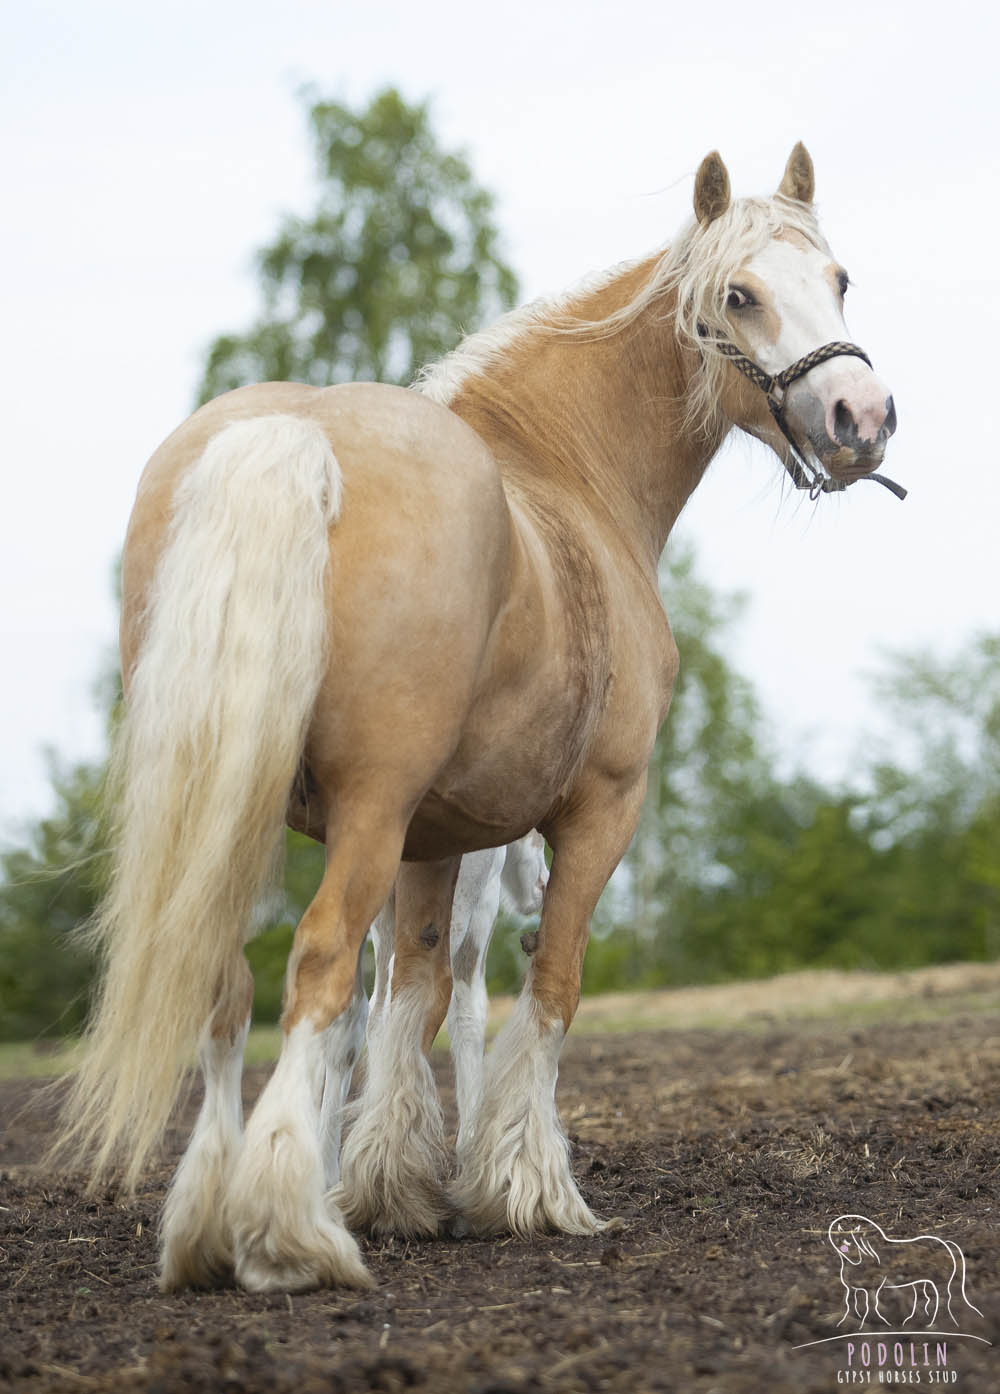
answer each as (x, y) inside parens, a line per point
(422, 496)
(485, 643)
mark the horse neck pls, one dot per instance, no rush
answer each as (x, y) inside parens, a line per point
(598, 417)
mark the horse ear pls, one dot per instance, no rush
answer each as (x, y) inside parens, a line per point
(711, 188)
(798, 181)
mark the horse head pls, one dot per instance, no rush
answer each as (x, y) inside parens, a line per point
(852, 1236)
(771, 304)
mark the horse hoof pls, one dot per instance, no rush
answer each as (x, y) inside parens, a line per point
(331, 1259)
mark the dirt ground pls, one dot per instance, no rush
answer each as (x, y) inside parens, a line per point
(725, 1153)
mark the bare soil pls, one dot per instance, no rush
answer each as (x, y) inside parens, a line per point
(725, 1154)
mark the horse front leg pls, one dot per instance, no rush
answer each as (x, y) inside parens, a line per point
(395, 1164)
(196, 1248)
(514, 1170)
(477, 900)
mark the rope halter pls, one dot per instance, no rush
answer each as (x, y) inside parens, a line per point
(774, 386)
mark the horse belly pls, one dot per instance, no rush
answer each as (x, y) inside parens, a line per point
(444, 826)
(515, 763)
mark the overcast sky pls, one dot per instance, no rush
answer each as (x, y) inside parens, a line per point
(149, 151)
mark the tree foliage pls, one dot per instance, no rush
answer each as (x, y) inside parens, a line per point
(736, 870)
(50, 888)
(399, 256)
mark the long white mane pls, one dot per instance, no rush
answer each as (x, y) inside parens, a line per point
(697, 267)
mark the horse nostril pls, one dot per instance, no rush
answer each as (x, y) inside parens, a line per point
(890, 417)
(844, 427)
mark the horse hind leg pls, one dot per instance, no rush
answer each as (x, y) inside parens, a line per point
(477, 900)
(395, 1164)
(196, 1245)
(344, 1048)
(286, 1234)
(384, 943)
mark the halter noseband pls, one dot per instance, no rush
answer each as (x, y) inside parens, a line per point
(774, 387)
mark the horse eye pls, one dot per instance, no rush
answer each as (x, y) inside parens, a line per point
(738, 299)
(843, 280)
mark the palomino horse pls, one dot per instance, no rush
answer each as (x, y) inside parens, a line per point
(433, 616)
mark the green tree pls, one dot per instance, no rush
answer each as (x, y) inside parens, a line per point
(399, 256)
(938, 802)
(711, 758)
(51, 886)
(944, 716)
(770, 874)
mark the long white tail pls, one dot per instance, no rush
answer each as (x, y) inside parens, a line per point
(234, 650)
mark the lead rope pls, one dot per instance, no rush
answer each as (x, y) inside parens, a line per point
(802, 474)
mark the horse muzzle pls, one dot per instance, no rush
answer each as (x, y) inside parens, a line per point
(849, 433)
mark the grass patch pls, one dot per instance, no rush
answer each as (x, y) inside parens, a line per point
(34, 1059)
(870, 1012)
(849, 999)
(263, 1045)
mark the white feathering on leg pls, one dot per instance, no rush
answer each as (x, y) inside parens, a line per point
(394, 1161)
(383, 935)
(286, 1236)
(196, 1245)
(514, 1172)
(345, 1040)
(474, 910)
(467, 1014)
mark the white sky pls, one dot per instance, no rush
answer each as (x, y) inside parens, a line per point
(149, 151)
